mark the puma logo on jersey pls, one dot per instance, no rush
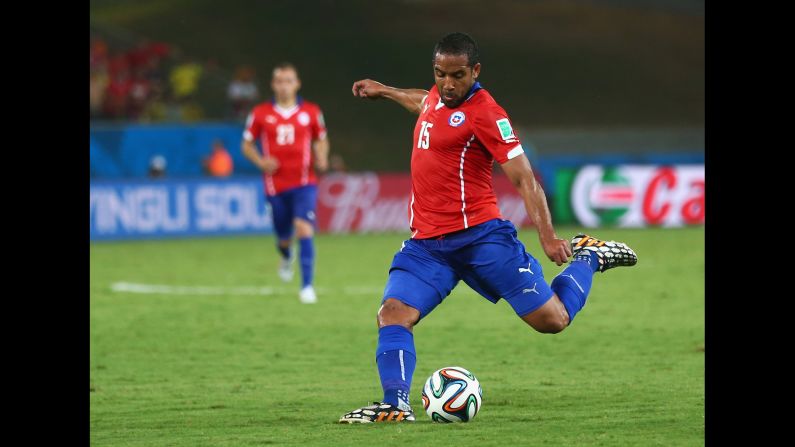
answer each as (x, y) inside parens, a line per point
(526, 270)
(531, 290)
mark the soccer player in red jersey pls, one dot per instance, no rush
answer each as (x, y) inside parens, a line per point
(292, 134)
(457, 232)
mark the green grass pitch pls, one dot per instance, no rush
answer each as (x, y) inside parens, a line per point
(205, 361)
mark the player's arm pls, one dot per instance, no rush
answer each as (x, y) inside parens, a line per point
(521, 175)
(249, 147)
(250, 151)
(321, 147)
(410, 98)
(320, 143)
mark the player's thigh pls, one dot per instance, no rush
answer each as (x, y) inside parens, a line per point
(498, 266)
(282, 215)
(305, 204)
(419, 279)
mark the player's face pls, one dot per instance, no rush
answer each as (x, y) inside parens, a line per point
(285, 84)
(454, 77)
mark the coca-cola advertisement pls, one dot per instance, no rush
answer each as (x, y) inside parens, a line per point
(631, 195)
(373, 202)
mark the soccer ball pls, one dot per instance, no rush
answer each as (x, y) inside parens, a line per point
(452, 394)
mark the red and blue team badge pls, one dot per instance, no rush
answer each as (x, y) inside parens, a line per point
(457, 119)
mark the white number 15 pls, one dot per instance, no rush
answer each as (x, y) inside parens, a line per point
(424, 139)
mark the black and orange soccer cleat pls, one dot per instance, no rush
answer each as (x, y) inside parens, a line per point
(378, 412)
(611, 254)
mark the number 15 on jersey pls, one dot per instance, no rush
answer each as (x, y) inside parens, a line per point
(424, 139)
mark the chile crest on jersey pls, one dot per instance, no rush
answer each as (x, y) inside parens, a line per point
(456, 119)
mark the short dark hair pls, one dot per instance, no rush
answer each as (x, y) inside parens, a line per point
(285, 66)
(458, 44)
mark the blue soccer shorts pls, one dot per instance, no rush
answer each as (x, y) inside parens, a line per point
(488, 257)
(286, 206)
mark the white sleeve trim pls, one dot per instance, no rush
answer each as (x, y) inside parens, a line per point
(515, 152)
(248, 136)
(423, 100)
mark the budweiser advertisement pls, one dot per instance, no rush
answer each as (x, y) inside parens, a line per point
(373, 202)
(630, 195)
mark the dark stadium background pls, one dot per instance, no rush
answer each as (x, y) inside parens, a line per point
(575, 76)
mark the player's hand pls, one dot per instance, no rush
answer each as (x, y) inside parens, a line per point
(557, 250)
(321, 164)
(367, 88)
(269, 165)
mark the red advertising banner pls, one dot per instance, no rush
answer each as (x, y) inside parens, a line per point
(371, 202)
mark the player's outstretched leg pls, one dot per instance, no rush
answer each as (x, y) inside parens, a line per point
(589, 255)
(396, 360)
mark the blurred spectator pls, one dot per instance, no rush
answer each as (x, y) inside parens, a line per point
(98, 86)
(185, 79)
(146, 51)
(140, 93)
(159, 49)
(98, 80)
(153, 64)
(157, 166)
(139, 84)
(139, 56)
(156, 108)
(242, 92)
(99, 53)
(119, 87)
(147, 75)
(219, 162)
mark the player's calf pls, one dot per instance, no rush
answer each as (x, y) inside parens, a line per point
(306, 244)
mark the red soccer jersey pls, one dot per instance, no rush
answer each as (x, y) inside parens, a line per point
(287, 135)
(451, 163)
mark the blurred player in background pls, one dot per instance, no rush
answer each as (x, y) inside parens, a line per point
(457, 231)
(292, 135)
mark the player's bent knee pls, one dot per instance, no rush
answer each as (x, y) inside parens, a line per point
(395, 312)
(303, 229)
(549, 326)
(553, 326)
(551, 318)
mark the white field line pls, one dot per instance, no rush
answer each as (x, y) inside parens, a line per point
(165, 289)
